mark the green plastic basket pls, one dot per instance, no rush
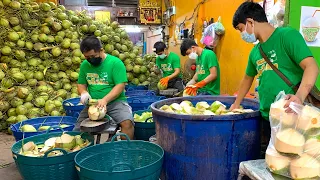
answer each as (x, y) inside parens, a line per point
(144, 130)
(121, 160)
(47, 168)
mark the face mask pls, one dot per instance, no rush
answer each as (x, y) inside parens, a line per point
(193, 55)
(250, 38)
(96, 61)
(162, 56)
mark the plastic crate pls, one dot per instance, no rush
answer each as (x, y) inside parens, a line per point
(142, 103)
(72, 108)
(44, 121)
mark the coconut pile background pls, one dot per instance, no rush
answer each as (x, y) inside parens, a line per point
(40, 57)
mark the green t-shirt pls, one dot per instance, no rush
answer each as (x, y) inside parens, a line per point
(101, 79)
(167, 65)
(285, 48)
(205, 62)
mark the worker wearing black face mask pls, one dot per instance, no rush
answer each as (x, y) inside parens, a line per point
(103, 77)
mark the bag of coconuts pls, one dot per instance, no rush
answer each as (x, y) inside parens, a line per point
(294, 147)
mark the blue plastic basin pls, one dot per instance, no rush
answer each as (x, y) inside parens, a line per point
(206, 147)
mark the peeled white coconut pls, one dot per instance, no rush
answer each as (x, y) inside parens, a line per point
(176, 107)
(207, 112)
(96, 113)
(79, 140)
(202, 105)
(217, 105)
(309, 118)
(186, 103)
(312, 147)
(190, 110)
(276, 162)
(166, 108)
(50, 142)
(66, 141)
(304, 167)
(221, 110)
(277, 109)
(29, 146)
(28, 128)
(289, 141)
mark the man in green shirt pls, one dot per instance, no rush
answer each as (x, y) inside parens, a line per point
(169, 64)
(206, 80)
(103, 77)
(286, 49)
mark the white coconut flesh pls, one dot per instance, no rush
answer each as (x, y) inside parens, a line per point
(65, 141)
(304, 167)
(312, 147)
(289, 141)
(276, 161)
(309, 118)
(96, 113)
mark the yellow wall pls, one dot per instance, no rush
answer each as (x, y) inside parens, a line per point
(232, 51)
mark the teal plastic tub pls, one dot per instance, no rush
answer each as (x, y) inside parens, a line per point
(144, 130)
(47, 168)
(121, 160)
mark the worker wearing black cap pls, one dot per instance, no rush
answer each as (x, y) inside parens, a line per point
(169, 64)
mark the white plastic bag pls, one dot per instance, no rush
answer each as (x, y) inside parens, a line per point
(276, 14)
(294, 148)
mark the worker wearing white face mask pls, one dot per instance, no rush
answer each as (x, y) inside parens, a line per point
(206, 80)
(169, 64)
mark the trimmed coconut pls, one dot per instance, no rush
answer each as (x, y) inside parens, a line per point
(28, 128)
(304, 167)
(29, 146)
(96, 113)
(312, 147)
(66, 141)
(276, 162)
(166, 108)
(186, 103)
(289, 141)
(43, 128)
(202, 105)
(277, 109)
(309, 119)
(176, 107)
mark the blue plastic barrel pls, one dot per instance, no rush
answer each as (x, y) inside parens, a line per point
(206, 147)
(72, 108)
(143, 102)
(131, 87)
(140, 93)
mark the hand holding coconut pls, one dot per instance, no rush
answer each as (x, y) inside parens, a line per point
(97, 109)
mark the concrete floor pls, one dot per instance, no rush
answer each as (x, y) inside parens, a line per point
(8, 170)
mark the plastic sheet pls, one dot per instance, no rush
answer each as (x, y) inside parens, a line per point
(294, 148)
